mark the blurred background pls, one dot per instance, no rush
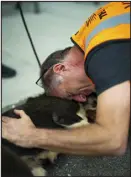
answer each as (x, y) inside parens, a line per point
(51, 25)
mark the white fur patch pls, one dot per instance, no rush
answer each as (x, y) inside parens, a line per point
(47, 155)
(78, 124)
(82, 113)
(39, 171)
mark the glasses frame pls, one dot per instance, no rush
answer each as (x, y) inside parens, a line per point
(39, 80)
(42, 76)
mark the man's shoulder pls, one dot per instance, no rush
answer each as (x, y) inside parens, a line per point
(109, 64)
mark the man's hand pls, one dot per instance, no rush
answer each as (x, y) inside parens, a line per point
(18, 131)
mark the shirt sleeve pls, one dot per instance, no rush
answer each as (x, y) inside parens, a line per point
(109, 65)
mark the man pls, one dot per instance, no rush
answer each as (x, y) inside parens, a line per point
(100, 60)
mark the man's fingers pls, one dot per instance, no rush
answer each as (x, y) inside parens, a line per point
(21, 113)
(5, 119)
(4, 128)
(5, 134)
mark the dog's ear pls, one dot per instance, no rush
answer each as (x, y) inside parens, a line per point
(58, 120)
(54, 117)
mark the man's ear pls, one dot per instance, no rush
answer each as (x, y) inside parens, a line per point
(59, 68)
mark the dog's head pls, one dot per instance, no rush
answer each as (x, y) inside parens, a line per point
(42, 109)
(85, 114)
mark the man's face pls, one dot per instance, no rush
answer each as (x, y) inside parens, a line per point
(75, 84)
(74, 90)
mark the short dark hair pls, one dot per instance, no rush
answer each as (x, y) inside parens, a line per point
(54, 58)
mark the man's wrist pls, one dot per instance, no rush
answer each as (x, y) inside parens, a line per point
(38, 137)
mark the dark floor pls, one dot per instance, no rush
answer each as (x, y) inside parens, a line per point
(91, 166)
(69, 165)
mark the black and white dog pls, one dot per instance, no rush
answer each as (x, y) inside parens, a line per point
(52, 113)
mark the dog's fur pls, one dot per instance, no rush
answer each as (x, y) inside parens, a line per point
(52, 113)
(12, 165)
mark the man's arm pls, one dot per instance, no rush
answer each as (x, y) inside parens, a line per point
(108, 136)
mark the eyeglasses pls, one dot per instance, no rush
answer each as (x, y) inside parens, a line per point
(39, 81)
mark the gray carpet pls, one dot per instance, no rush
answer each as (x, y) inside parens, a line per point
(67, 165)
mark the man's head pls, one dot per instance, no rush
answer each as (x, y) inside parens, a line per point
(63, 75)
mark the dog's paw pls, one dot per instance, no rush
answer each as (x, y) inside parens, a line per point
(51, 156)
(39, 171)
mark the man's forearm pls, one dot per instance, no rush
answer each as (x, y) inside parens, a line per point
(89, 140)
